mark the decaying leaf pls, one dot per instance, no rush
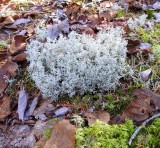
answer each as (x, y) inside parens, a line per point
(21, 21)
(108, 15)
(5, 109)
(55, 30)
(44, 108)
(61, 111)
(146, 93)
(63, 135)
(6, 71)
(156, 5)
(145, 74)
(31, 108)
(22, 104)
(145, 47)
(138, 110)
(19, 58)
(18, 44)
(145, 103)
(100, 115)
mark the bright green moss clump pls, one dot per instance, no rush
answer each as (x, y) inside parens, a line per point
(149, 136)
(151, 36)
(101, 135)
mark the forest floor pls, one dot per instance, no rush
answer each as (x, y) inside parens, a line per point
(29, 120)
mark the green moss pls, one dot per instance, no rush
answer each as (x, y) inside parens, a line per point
(47, 133)
(22, 78)
(151, 36)
(115, 106)
(101, 135)
(120, 13)
(149, 136)
(52, 120)
(3, 44)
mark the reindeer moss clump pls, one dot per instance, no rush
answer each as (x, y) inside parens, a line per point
(101, 135)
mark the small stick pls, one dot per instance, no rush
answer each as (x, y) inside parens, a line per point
(140, 127)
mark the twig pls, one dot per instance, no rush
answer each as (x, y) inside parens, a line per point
(140, 127)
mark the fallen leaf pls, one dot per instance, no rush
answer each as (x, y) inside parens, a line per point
(55, 30)
(89, 31)
(100, 115)
(6, 71)
(6, 21)
(94, 21)
(31, 108)
(23, 32)
(145, 103)
(157, 16)
(45, 107)
(138, 110)
(145, 74)
(133, 41)
(21, 21)
(30, 30)
(18, 44)
(5, 109)
(61, 111)
(31, 14)
(22, 104)
(19, 58)
(146, 93)
(63, 136)
(145, 47)
(132, 49)
(156, 5)
(10, 68)
(108, 15)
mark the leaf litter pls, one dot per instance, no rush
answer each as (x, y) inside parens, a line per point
(36, 113)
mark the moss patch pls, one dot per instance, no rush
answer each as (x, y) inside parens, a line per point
(149, 136)
(101, 135)
(47, 133)
(151, 36)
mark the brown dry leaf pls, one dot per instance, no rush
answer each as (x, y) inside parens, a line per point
(30, 30)
(10, 68)
(139, 109)
(19, 58)
(73, 10)
(31, 13)
(132, 49)
(146, 93)
(133, 41)
(100, 115)
(94, 21)
(45, 107)
(7, 71)
(8, 20)
(63, 136)
(106, 4)
(5, 109)
(108, 15)
(4, 1)
(89, 31)
(83, 19)
(18, 44)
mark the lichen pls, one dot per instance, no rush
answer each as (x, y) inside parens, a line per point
(78, 63)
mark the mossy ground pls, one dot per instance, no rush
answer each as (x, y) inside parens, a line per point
(117, 136)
